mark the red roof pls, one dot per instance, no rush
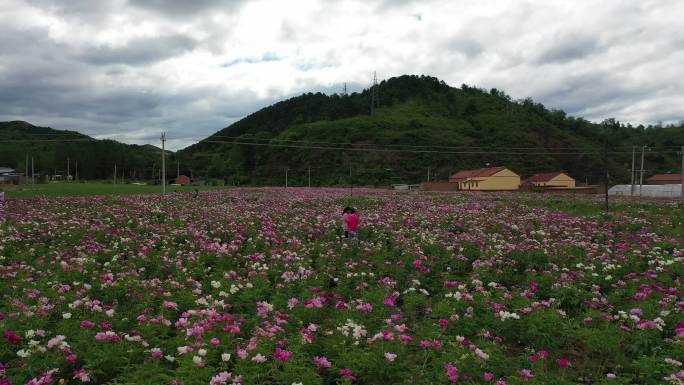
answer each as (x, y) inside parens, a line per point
(666, 178)
(545, 177)
(489, 171)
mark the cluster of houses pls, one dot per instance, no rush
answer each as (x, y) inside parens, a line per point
(501, 179)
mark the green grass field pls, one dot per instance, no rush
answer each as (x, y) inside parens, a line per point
(92, 188)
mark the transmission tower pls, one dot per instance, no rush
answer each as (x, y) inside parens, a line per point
(375, 94)
(345, 89)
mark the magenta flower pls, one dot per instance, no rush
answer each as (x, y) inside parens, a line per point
(488, 376)
(563, 363)
(12, 338)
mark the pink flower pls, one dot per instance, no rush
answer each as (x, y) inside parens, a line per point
(242, 353)
(282, 355)
(390, 356)
(87, 324)
(322, 362)
(444, 323)
(82, 375)
(563, 363)
(488, 376)
(452, 373)
(544, 354)
(526, 374)
(534, 358)
(259, 359)
(389, 301)
(346, 372)
(215, 341)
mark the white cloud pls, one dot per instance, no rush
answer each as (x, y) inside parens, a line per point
(127, 69)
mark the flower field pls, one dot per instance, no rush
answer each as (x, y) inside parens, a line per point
(257, 286)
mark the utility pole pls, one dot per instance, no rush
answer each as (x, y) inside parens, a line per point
(33, 172)
(375, 97)
(114, 173)
(177, 168)
(428, 174)
(163, 176)
(76, 167)
(641, 173)
(26, 173)
(68, 168)
(286, 177)
(605, 165)
(633, 171)
(309, 168)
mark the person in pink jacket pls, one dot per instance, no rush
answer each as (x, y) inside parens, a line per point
(352, 222)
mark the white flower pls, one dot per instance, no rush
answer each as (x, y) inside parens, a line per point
(215, 284)
(170, 358)
(23, 353)
(110, 313)
(225, 357)
(202, 352)
(197, 360)
(66, 315)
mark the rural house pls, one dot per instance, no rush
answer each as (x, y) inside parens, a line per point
(182, 180)
(665, 179)
(551, 179)
(486, 179)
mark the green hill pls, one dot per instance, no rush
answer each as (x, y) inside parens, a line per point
(50, 149)
(422, 123)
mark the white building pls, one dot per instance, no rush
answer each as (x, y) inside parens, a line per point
(647, 190)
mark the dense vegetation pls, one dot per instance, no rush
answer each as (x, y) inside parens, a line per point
(248, 286)
(467, 127)
(50, 149)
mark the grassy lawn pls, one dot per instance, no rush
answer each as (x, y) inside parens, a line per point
(92, 188)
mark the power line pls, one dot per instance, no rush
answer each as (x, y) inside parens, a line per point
(494, 152)
(403, 145)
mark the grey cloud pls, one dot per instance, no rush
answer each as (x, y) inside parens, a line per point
(140, 51)
(183, 8)
(562, 49)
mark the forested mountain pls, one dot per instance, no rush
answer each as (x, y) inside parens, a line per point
(51, 148)
(420, 123)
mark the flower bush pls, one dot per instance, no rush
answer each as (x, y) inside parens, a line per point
(257, 286)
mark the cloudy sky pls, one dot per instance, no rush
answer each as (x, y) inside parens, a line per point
(127, 69)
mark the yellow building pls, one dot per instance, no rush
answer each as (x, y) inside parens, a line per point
(486, 179)
(551, 179)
